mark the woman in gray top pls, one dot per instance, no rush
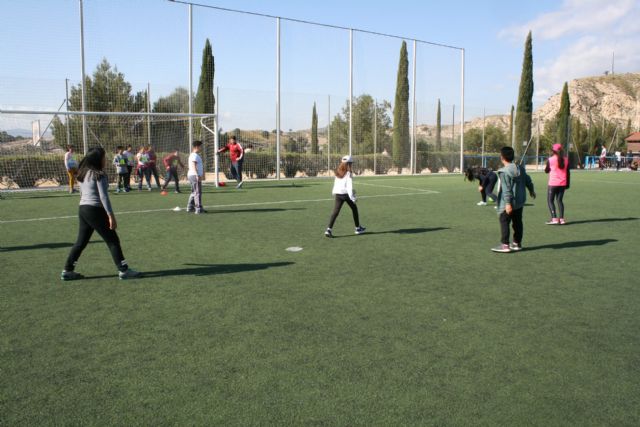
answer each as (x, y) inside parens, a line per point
(95, 214)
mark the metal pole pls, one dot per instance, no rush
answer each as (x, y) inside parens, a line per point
(453, 133)
(67, 124)
(375, 135)
(84, 92)
(190, 74)
(462, 116)
(538, 144)
(483, 126)
(413, 113)
(149, 116)
(329, 135)
(350, 90)
(278, 98)
(216, 138)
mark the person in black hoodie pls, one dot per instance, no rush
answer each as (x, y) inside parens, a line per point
(487, 179)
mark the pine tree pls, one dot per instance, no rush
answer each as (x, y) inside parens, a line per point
(314, 130)
(563, 118)
(524, 112)
(438, 128)
(401, 111)
(205, 102)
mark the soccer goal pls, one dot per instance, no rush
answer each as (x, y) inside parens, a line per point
(38, 161)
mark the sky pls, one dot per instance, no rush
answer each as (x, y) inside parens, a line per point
(148, 41)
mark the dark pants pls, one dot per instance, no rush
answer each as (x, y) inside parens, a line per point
(518, 228)
(144, 173)
(340, 200)
(236, 170)
(172, 173)
(153, 170)
(555, 193)
(487, 188)
(94, 218)
(122, 181)
(127, 179)
(195, 198)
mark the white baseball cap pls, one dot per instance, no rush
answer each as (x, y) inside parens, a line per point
(347, 159)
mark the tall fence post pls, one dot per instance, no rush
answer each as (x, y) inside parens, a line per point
(350, 90)
(329, 134)
(278, 98)
(190, 74)
(375, 135)
(483, 126)
(453, 135)
(85, 144)
(216, 139)
(462, 115)
(149, 116)
(67, 124)
(413, 154)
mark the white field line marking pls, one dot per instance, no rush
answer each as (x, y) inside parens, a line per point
(234, 205)
(399, 188)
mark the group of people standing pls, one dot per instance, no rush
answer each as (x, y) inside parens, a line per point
(512, 182)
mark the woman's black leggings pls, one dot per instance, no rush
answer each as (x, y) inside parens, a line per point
(340, 200)
(94, 218)
(487, 188)
(555, 193)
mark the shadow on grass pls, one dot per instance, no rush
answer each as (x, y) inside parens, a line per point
(401, 231)
(56, 245)
(204, 270)
(570, 245)
(591, 221)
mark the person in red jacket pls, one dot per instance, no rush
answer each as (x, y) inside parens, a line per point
(171, 163)
(236, 152)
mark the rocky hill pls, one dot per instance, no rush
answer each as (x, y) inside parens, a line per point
(616, 98)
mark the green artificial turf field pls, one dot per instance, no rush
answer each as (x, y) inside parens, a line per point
(416, 322)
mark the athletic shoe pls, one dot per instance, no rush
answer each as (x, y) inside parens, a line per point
(129, 274)
(239, 186)
(190, 210)
(71, 275)
(360, 230)
(148, 188)
(482, 203)
(201, 211)
(177, 191)
(502, 249)
(126, 190)
(515, 247)
(554, 221)
(328, 233)
(562, 221)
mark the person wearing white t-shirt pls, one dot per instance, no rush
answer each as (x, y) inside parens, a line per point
(344, 193)
(603, 158)
(195, 176)
(618, 155)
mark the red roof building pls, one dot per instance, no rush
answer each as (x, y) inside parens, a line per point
(633, 142)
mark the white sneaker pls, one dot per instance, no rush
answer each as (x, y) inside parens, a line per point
(482, 203)
(239, 185)
(129, 274)
(360, 230)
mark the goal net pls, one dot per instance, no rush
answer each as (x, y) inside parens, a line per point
(29, 161)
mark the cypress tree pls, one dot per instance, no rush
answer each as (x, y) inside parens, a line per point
(524, 112)
(205, 102)
(562, 119)
(511, 127)
(438, 128)
(314, 130)
(401, 111)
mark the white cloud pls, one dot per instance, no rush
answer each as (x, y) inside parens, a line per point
(573, 17)
(585, 33)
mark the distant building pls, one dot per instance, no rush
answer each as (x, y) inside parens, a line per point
(633, 142)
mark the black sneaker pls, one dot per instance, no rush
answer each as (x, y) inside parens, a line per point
(360, 230)
(70, 275)
(328, 233)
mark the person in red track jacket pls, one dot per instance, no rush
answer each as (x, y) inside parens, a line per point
(236, 152)
(171, 163)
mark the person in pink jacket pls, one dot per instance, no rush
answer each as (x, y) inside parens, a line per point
(559, 178)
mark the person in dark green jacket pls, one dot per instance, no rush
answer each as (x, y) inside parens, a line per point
(513, 182)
